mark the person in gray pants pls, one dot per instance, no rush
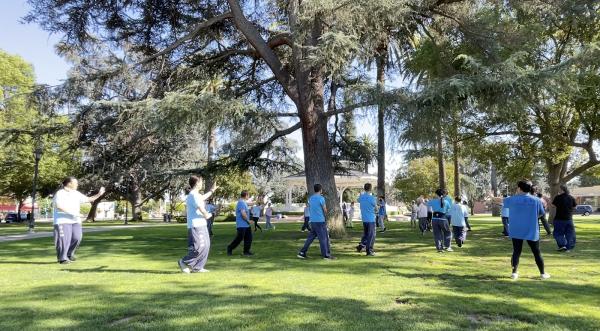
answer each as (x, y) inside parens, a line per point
(198, 235)
(67, 219)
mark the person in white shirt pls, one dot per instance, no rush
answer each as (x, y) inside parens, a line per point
(457, 219)
(67, 219)
(422, 215)
(413, 214)
(198, 236)
(268, 216)
(351, 214)
(306, 224)
(256, 213)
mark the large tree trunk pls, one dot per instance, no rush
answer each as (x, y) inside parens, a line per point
(381, 64)
(211, 143)
(556, 173)
(440, 157)
(455, 155)
(318, 163)
(135, 198)
(92, 214)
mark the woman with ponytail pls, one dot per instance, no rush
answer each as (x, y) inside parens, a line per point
(442, 235)
(198, 236)
(524, 212)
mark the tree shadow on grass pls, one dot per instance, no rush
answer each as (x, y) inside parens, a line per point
(212, 306)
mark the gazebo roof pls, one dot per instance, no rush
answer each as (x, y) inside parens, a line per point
(346, 179)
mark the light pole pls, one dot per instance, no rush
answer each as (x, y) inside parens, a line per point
(37, 154)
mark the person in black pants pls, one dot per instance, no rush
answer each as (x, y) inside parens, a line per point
(564, 229)
(525, 209)
(242, 222)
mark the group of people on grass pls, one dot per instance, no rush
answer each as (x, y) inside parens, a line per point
(445, 218)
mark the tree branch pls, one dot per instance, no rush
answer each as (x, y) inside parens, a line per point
(263, 48)
(194, 31)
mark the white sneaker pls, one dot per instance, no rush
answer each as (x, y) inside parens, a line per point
(184, 268)
(545, 276)
(449, 249)
(514, 276)
(201, 270)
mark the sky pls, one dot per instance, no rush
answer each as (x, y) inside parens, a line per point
(37, 47)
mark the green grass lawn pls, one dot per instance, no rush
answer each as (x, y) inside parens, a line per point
(128, 279)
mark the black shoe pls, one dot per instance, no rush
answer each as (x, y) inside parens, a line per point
(73, 258)
(229, 252)
(248, 254)
(562, 249)
(65, 262)
(469, 230)
(330, 257)
(371, 254)
(302, 255)
(359, 248)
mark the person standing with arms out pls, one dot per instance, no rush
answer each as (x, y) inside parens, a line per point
(441, 228)
(212, 209)
(197, 225)
(268, 216)
(543, 219)
(422, 212)
(564, 229)
(306, 225)
(457, 217)
(318, 210)
(504, 214)
(413, 214)
(242, 223)
(368, 206)
(68, 232)
(467, 214)
(525, 210)
(382, 213)
(351, 214)
(345, 214)
(256, 213)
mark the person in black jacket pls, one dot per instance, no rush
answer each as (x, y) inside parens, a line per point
(564, 229)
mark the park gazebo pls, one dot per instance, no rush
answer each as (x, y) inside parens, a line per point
(343, 180)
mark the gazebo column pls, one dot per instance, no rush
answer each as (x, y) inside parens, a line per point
(288, 199)
(340, 191)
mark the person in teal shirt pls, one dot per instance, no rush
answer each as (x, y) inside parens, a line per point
(242, 223)
(441, 228)
(318, 226)
(368, 205)
(525, 210)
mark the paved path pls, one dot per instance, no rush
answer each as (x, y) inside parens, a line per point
(47, 234)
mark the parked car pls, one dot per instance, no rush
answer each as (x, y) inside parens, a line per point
(11, 217)
(584, 210)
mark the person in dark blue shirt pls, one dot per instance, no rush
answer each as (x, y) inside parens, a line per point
(368, 205)
(441, 228)
(524, 212)
(318, 226)
(242, 223)
(381, 214)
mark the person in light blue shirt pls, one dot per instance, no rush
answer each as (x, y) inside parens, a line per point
(198, 237)
(504, 214)
(318, 227)
(256, 213)
(457, 218)
(525, 210)
(242, 223)
(212, 209)
(441, 228)
(368, 206)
